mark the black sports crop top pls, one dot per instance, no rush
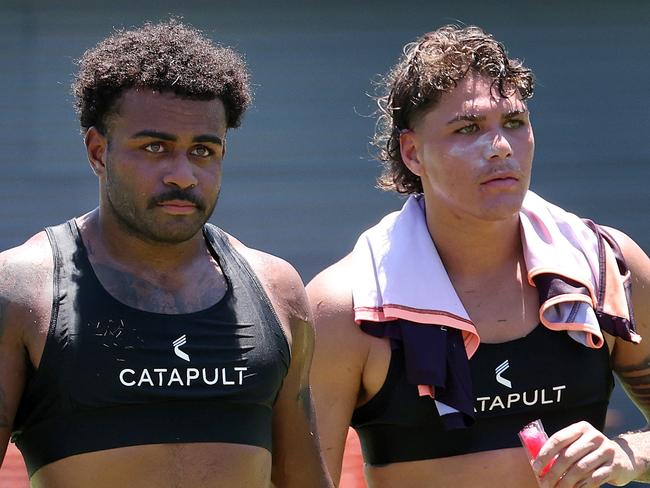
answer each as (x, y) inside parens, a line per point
(544, 375)
(113, 376)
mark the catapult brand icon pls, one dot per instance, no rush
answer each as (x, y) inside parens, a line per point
(499, 370)
(542, 395)
(167, 377)
(178, 343)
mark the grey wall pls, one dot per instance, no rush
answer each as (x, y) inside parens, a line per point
(298, 178)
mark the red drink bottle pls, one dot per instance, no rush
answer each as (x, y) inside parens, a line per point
(533, 437)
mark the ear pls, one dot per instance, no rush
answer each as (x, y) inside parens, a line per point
(409, 145)
(96, 150)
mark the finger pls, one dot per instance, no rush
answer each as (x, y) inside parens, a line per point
(582, 472)
(583, 454)
(558, 441)
(601, 476)
(597, 479)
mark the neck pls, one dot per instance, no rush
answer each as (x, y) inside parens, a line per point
(107, 240)
(471, 247)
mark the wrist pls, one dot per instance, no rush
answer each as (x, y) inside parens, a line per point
(633, 465)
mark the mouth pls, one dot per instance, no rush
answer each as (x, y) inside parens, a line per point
(501, 176)
(177, 207)
(501, 181)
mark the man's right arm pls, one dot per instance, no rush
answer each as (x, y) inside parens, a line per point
(23, 275)
(341, 349)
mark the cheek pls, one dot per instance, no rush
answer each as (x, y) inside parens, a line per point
(210, 179)
(526, 146)
(466, 150)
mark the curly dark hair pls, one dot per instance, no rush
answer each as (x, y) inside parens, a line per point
(429, 67)
(167, 57)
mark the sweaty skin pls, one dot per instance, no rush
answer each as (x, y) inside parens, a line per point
(473, 152)
(160, 166)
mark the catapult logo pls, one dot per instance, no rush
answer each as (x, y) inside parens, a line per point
(542, 395)
(499, 370)
(181, 341)
(167, 377)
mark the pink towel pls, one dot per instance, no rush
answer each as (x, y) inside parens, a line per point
(577, 268)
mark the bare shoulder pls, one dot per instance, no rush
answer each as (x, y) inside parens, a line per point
(330, 292)
(628, 357)
(636, 259)
(639, 265)
(330, 296)
(23, 269)
(282, 284)
(342, 355)
(276, 274)
(25, 289)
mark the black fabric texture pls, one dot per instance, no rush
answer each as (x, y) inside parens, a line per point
(112, 375)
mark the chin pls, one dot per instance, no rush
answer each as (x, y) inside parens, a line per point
(165, 232)
(175, 234)
(503, 209)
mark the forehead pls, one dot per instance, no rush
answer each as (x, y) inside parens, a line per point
(143, 108)
(476, 95)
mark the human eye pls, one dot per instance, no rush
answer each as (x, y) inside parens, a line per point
(154, 147)
(467, 129)
(201, 151)
(514, 123)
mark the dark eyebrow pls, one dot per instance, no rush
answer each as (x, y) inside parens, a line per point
(514, 113)
(209, 138)
(479, 118)
(466, 117)
(152, 134)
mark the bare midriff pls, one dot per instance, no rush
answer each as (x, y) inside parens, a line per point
(505, 468)
(196, 465)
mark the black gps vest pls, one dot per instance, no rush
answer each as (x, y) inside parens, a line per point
(114, 376)
(544, 375)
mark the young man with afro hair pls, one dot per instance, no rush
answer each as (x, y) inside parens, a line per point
(140, 345)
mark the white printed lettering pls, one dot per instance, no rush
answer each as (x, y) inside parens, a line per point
(482, 400)
(529, 403)
(130, 383)
(163, 377)
(192, 374)
(224, 380)
(160, 372)
(544, 396)
(544, 401)
(512, 398)
(175, 378)
(145, 377)
(496, 402)
(241, 374)
(559, 392)
(216, 377)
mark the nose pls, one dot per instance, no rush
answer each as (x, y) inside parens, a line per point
(180, 173)
(499, 147)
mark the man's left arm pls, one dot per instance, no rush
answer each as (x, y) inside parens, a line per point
(585, 457)
(297, 460)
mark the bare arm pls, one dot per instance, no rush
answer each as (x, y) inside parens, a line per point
(339, 358)
(586, 458)
(632, 362)
(23, 273)
(12, 370)
(297, 460)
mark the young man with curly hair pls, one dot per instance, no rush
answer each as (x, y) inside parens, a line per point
(140, 345)
(479, 307)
